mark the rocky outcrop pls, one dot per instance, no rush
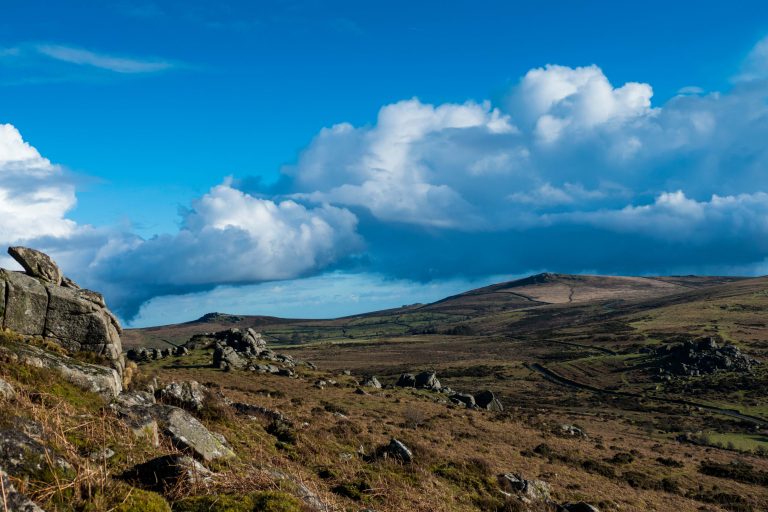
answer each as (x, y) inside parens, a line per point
(701, 357)
(36, 304)
(97, 379)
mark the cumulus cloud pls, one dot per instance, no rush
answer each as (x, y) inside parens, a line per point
(34, 194)
(397, 168)
(227, 236)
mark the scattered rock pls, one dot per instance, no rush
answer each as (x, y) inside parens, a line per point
(14, 501)
(528, 490)
(371, 382)
(572, 430)
(187, 432)
(188, 395)
(397, 450)
(37, 264)
(166, 472)
(406, 380)
(428, 380)
(487, 400)
(464, 399)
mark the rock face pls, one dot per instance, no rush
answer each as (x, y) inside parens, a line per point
(36, 304)
(703, 356)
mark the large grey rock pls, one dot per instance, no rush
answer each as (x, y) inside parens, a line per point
(37, 264)
(90, 377)
(187, 432)
(188, 395)
(487, 400)
(396, 449)
(528, 490)
(2, 301)
(26, 303)
(80, 324)
(428, 380)
(13, 500)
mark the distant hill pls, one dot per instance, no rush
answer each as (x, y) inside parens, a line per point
(536, 291)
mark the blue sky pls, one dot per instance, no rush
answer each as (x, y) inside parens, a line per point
(159, 149)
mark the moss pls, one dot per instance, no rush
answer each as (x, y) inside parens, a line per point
(143, 501)
(268, 501)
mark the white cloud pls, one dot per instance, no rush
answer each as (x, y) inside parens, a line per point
(83, 57)
(34, 194)
(558, 98)
(673, 216)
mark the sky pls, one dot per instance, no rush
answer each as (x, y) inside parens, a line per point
(317, 159)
